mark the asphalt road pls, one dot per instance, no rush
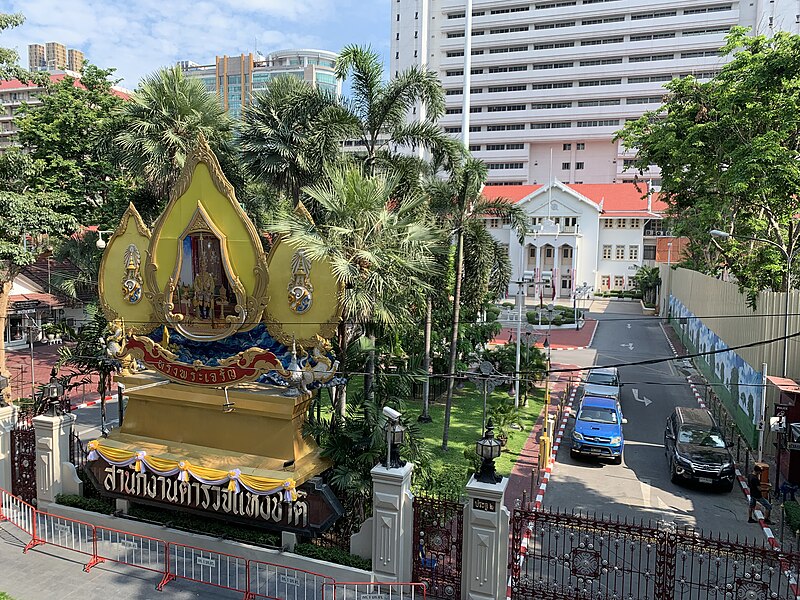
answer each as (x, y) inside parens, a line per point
(640, 488)
(88, 423)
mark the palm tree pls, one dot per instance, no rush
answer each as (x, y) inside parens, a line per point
(460, 204)
(382, 108)
(648, 279)
(162, 121)
(381, 251)
(291, 132)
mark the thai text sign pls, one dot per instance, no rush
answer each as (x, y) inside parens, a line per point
(315, 510)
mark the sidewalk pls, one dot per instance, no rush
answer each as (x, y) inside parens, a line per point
(560, 339)
(520, 478)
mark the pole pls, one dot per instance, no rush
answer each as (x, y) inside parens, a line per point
(465, 108)
(120, 410)
(520, 300)
(33, 370)
(762, 424)
(485, 393)
(786, 314)
(669, 278)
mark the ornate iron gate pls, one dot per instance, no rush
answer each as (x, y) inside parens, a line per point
(561, 556)
(23, 458)
(438, 543)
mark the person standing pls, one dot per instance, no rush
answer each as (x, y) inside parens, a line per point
(756, 497)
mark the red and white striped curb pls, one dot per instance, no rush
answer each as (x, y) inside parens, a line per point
(587, 346)
(773, 542)
(523, 549)
(90, 403)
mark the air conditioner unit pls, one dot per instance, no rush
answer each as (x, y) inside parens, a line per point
(659, 232)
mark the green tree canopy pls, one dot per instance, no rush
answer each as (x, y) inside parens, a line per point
(728, 153)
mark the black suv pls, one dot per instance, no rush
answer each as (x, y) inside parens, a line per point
(696, 450)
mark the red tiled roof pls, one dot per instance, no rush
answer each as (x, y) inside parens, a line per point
(45, 300)
(16, 84)
(618, 199)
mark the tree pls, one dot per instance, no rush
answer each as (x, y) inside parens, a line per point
(161, 124)
(9, 67)
(459, 203)
(382, 109)
(66, 136)
(291, 132)
(728, 151)
(380, 250)
(26, 222)
(647, 280)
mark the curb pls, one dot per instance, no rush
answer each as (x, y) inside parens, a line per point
(90, 403)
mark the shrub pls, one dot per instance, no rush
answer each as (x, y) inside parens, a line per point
(791, 510)
(333, 555)
(627, 294)
(492, 313)
(637, 294)
(98, 505)
(507, 304)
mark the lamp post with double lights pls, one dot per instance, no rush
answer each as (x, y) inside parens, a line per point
(488, 449)
(580, 292)
(490, 378)
(789, 256)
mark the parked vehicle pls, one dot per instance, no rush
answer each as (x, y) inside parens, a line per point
(696, 449)
(598, 429)
(602, 382)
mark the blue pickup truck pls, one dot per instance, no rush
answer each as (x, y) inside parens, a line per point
(598, 429)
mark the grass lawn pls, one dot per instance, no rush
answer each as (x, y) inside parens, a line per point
(4, 596)
(465, 428)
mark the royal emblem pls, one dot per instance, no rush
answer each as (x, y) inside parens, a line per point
(300, 288)
(132, 282)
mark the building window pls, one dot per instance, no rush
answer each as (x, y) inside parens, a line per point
(619, 281)
(619, 253)
(532, 252)
(566, 147)
(635, 223)
(565, 283)
(565, 166)
(578, 165)
(566, 252)
(548, 252)
(608, 223)
(580, 146)
(605, 281)
(570, 221)
(494, 223)
(398, 16)
(622, 223)
(633, 252)
(606, 252)
(649, 252)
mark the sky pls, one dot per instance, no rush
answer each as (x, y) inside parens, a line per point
(137, 37)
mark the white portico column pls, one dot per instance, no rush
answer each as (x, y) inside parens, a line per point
(392, 523)
(485, 554)
(52, 449)
(8, 416)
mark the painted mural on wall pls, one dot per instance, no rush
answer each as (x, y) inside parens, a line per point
(742, 381)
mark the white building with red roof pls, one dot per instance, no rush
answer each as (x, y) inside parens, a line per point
(600, 234)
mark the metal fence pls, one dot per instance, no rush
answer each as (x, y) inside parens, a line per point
(374, 591)
(252, 578)
(558, 556)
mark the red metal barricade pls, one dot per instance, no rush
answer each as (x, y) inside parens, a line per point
(131, 549)
(353, 590)
(19, 513)
(69, 534)
(204, 566)
(277, 582)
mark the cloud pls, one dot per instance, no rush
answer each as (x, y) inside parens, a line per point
(137, 37)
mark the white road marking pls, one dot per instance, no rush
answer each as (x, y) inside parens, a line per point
(629, 345)
(644, 400)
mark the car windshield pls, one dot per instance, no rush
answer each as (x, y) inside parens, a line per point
(596, 414)
(701, 436)
(601, 378)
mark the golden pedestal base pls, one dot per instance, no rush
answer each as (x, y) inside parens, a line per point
(262, 436)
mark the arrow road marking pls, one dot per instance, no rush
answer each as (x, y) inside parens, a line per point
(644, 400)
(629, 345)
(629, 325)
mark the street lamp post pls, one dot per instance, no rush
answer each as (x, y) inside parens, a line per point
(520, 304)
(669, 280)
(490, 378)
(789, 256)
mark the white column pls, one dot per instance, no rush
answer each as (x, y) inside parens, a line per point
(466, 96)
(8, 417)
(485, 554)
(52, 448)
(392, 523)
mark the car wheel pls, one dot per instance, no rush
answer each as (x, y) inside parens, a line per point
(573, 454)
(726, 487)
(617, 460)
(673, 476)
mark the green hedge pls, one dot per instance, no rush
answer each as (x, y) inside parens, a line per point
(791, 511)
(492, 313)
(98, 505)
(333, 555)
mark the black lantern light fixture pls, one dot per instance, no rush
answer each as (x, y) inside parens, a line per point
(488, 449)
(52, 394)
(395, 437)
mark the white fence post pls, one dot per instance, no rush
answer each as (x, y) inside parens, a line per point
(52, 448)
(8, 417)
(485, 553)
(392, 523)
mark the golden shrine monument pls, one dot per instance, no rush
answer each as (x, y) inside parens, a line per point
(221, 347)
